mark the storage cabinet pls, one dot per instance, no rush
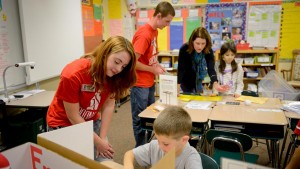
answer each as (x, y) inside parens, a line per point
(256, 63)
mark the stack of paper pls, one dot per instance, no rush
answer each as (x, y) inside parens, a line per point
(292, 107)
(205, 105)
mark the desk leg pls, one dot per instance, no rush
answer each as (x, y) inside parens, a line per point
(283, 144)
(275, 153)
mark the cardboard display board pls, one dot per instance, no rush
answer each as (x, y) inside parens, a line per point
(69, 147)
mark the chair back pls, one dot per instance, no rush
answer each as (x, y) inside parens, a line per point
(228, 141)
(208, 162)
(295, 74)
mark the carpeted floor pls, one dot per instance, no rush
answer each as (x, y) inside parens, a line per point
(121, 136)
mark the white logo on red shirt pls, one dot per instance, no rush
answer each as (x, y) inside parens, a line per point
(90, 111)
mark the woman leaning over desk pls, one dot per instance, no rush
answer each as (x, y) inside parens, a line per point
(196, 59)
(90, 85)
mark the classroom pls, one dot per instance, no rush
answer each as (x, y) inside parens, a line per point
(40, 40)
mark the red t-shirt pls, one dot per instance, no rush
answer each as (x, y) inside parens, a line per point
(75, 86)
(145, 44)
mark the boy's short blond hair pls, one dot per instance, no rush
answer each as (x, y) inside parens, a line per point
(174, 122)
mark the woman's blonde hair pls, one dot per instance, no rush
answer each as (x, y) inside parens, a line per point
(121, 82)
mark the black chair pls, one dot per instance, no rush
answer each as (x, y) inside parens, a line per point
(208, 162)
(230, 145)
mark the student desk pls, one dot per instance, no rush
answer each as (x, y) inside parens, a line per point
(39, 100)
(258, 124)
(292, 118)
(199, 117)
(37, 103)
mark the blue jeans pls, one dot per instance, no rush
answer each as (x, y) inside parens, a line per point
(140, 99)
(97, 125)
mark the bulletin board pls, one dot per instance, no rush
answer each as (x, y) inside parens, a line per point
(226, 21)
(264, 21)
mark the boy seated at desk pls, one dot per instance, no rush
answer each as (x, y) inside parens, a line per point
(172, 128)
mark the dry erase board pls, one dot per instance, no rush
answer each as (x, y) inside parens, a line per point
(11, 50)
(52, 35)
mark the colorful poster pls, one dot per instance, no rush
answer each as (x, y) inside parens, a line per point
(225, 21)
(88, 20)
(176, 34)
(191, 24)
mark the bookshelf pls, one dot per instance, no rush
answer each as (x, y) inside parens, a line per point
(256, 63)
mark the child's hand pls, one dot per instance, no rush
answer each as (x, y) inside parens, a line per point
(222, 88)
(236, 95)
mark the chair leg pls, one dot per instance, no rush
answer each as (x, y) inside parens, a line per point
(290, 150)
(283, 144)
(269, 151)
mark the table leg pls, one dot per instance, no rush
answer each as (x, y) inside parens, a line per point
(275, 153)
(283, 144)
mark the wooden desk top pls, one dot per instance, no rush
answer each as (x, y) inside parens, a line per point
(42, 99)
(112, 164)
(197, 115)
(246, 114)
(273, 103)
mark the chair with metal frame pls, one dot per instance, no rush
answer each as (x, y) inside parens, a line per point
(292, 76)
(231, 145)
(208, 162)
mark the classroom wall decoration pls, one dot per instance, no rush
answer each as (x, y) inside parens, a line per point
(264, 25)
(185, 21)
(92, 19)
(290, 32)
(225, 21)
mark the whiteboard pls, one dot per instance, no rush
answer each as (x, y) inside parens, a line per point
(52, 36)
(11, 50)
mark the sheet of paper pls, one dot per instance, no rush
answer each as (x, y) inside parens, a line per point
(168, 89)
(204, 105)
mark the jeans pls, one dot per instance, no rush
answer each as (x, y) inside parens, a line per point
(140, 99)
(97, 125)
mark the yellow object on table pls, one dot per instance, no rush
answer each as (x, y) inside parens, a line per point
(259, 100)
(187, 98)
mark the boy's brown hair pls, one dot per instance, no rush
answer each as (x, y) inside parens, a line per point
(174, 122)
(165, 8)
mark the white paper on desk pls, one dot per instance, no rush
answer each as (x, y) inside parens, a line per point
(235, 164)
(205, 105)
(168, 89)
(292, 107)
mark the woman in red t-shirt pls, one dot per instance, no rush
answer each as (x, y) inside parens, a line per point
(88, 88)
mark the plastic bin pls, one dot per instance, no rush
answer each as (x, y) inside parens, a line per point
(23, 128)
(273, 85)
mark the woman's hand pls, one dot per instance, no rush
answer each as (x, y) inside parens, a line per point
(104, 149)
